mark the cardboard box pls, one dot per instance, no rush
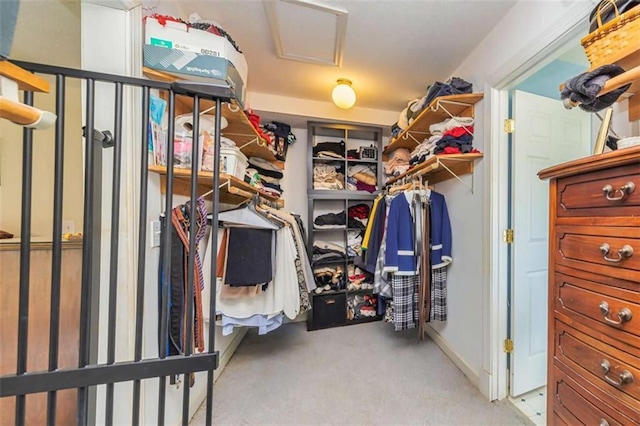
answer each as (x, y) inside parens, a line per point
(201, 55)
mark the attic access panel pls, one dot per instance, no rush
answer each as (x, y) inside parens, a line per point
(307, 31)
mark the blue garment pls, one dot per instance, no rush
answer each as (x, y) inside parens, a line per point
(400, 256)
(440, 232)
(263, 323)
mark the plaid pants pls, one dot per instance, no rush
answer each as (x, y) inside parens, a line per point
(405, 301)
(439, 295)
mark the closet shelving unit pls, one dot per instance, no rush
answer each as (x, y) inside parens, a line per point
(330, 308)
(440, 109)
(232, 189)
(250, 143)
(440, 167)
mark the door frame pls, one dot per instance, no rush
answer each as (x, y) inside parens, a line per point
(494, 379)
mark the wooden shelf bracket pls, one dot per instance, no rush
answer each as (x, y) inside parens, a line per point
(444, 166)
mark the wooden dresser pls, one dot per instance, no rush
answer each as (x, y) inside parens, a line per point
(594, 290)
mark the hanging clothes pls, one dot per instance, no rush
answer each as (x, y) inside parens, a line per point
(181, 217)
(411, 260)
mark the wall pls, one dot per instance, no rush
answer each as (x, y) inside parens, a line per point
(468, 333)
(55, 40)
(545, 82)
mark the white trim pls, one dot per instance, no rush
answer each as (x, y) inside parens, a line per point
(436, 247)
(225, 356)
(452, 355)
(447, 261)
(405, 253)
(566, 27)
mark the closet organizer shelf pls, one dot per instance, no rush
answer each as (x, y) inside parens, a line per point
(332, 308)
(440, 109)
(205, 181)
(239, 129)
(432, 169)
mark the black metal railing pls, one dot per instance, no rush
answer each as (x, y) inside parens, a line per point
(89, 373)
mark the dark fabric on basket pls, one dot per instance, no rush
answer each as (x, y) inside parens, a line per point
(584, 88)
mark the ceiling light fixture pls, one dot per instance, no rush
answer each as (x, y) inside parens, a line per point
(343, 94)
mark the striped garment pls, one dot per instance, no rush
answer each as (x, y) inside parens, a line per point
(439, 295)
(405, 301)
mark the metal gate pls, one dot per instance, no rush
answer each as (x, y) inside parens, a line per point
(90, 374)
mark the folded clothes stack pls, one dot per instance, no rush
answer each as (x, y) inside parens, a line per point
(330, 221)
(327, 252)
(264, 175)
(359, 213)
(358, 279)
(328, 176)
(329, 278)
(452, 136)
(361, 177)
(397, 163)
(329, 150)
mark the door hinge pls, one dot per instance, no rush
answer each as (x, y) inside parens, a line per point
(508, 236)
(508, 346)
(509, 125)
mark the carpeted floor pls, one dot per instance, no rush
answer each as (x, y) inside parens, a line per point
(358, 375)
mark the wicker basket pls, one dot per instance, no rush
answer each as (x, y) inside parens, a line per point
(611, 40)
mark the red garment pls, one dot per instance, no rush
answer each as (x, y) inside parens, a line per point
(359, 211)
(254, 119)
(451, 150)
(456, 132)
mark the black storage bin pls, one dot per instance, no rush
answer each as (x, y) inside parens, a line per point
(329, 310)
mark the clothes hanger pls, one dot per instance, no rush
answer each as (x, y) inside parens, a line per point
(248, 215)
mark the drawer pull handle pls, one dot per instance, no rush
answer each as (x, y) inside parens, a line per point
(624, 315)
(624, 190)
(603, 422)
(623, 378)
(625, 251)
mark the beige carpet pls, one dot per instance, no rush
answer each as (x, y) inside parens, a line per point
(358, 375)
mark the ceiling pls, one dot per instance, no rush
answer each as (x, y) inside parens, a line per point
(393, 49)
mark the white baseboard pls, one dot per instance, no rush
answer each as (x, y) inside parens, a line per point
(453, 356)
(225, 356)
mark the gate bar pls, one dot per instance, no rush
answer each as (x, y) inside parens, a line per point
(190, 293)
(87, 258)
(25, 257)
(214, 258)
(93, 375)
(56, 258)
(113, 255)
(142, 248)
(166, 262)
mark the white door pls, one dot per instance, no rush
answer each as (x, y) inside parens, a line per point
(545, 134)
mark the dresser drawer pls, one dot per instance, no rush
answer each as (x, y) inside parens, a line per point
(601, 250)
(610, 310)
(573, 405)
(609, 192)
(615, 371)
